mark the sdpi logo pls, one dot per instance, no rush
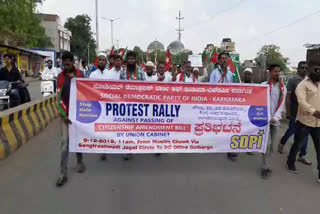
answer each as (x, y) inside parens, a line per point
(247, 141)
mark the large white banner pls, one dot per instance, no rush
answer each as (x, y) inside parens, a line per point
(140, 117)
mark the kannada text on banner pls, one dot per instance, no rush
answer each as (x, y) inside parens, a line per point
(142, 117)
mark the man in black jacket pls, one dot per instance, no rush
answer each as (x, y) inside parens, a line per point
(11, 74)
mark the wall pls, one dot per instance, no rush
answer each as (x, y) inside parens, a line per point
(20, 124)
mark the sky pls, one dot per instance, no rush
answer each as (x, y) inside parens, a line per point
(249, 23)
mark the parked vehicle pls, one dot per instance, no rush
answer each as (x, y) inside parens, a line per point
(47, 84)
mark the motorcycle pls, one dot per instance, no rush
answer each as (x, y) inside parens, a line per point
(5, 89)
(13, 94)
(47, 84)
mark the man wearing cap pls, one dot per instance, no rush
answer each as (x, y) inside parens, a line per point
(248, 76)
(101, 71)
(248, 73)
(150, 77)
(103, 74)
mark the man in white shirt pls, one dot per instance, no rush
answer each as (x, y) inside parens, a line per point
(222, 74)
(114, 73)
(186, 75)
(101, 71)
(150, 77)
(277, 94)
(103, 74)
(162, 76)
(200, 73)
(50, 70)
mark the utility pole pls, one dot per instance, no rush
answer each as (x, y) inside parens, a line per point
(88, 61)
(180, 29)
(117, 44)
(97, 26)
(111, 21)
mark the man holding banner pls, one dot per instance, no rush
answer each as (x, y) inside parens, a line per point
(222, 74)
(63, 90)
(277, 95)
(162, 75)
(102, 73)
(132, 73)
(129, 117)
(186, 75)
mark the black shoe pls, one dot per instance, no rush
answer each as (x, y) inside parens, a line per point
(292, 168)
(266, 173)
(103, 157)
(81, 167)
(127, 157)
(61, 181)
(232, 157)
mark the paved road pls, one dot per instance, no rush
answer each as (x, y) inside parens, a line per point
(175, 183)
(34, 90)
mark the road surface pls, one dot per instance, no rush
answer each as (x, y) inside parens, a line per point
(172, 183)
(34, 90)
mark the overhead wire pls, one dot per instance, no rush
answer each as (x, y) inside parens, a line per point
(284, 26)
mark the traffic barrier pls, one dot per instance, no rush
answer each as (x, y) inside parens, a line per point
(18, 125)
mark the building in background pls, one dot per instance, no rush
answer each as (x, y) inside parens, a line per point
(249, 63)
(59, 36)
(155, 46)
(28, 61)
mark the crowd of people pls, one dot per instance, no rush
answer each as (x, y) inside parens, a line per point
(301, 99)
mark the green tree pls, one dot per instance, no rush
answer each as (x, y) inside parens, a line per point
(141, 56)
(181, 57)
(160, 56)
(20, 26)
(273, 56)
(82, 37)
